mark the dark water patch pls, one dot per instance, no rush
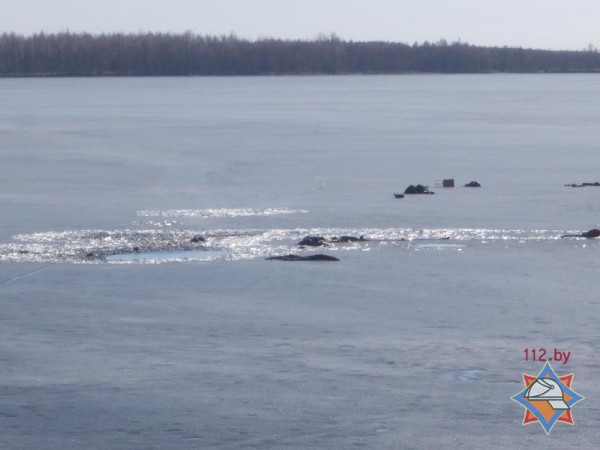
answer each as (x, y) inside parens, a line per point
(467, 374)
(167, 256)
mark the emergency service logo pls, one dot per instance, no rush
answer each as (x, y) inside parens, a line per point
(548, 398)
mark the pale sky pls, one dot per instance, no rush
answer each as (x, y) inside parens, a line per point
(553, 24)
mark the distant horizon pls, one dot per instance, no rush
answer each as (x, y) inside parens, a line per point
(316, 38)
(535, 24)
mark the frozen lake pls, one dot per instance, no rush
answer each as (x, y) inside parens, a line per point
(414, 339)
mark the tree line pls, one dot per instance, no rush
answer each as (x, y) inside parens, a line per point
(151, 54)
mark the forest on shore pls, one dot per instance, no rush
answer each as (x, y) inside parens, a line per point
(162, 54)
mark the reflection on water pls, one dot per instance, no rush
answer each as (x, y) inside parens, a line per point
(159, 245)
(440, 246)
(219, 212)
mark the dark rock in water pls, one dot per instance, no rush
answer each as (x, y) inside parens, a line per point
(348, 239)
(591, 234)
(418, 189)
(445, 238)
(596, 183)
(136, 249)
(313, 241)
(398, 195)
(319, 257)
(473, 184)
(317, 241)
(23, 252)
(197, 239)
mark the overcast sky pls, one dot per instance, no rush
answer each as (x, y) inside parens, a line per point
(556, 24)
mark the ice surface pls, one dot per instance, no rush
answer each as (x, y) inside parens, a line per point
(396, 346)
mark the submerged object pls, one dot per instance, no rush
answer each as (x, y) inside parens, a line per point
(593, 233)
(318, 257)
(348, 239)
(473, 184)
(398, 195)
(596, 183)
(313, 241)
(317, 241)
(418, 189)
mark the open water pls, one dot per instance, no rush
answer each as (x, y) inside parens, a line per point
(116, 330)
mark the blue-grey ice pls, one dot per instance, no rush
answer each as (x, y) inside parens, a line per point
(413, 340)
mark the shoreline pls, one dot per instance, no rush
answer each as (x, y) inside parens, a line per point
(283, 75)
